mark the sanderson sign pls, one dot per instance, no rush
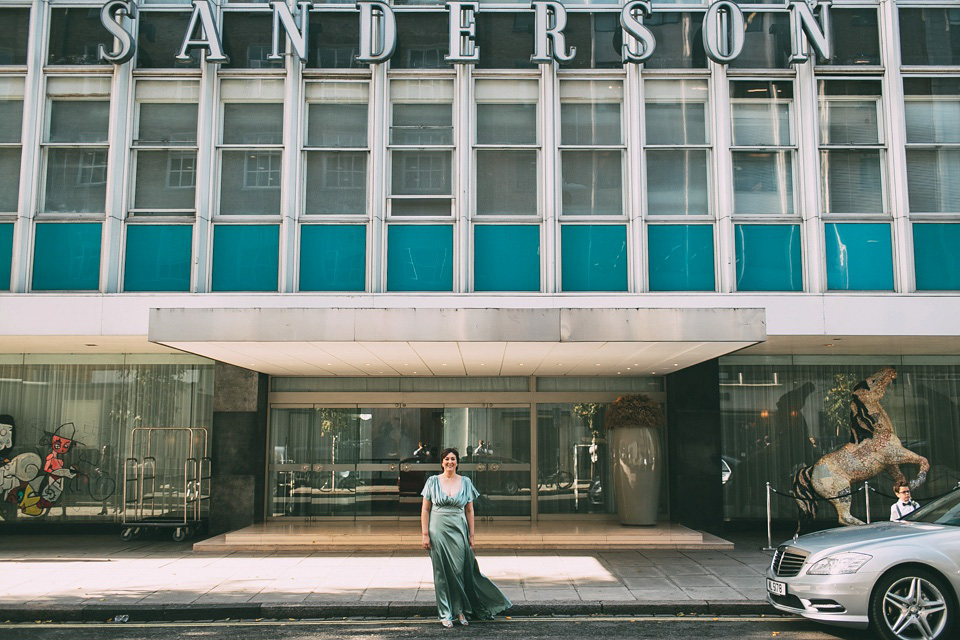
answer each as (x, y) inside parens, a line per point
(723, 28)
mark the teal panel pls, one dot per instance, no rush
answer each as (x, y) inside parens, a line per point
(859, 257)
(593, 257)
(506, 257)
(332, 257)
(681, 257)
(768, 257)
(246, 257)
(66, 256)
(6, 255)
(419, 257)
(157, 257)
(936, 256)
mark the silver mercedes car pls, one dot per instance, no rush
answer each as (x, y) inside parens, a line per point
(901, 578)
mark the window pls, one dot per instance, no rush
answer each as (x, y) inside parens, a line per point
(506, 147)
(855, 37)
(762, 147)
(336, 149)
(766, 43)
(591, 147)
(11, 122)
(859, 257)
(932, 112)
(768, 257)
(679, 41)
(6, 255)
(593, 257)
(251, 152)
(334, 41)
(506, 257)
(75, 145)
(66, 256)
(936, 258)
(423, 42)
(419, 257)
(14, 32)
(851, 150)
(332, 257)
(505, 40)
(680, 257)
(75, 37)
(165, 148)
(421, 147)
(247, 40)
(930, 37)
(157, 257)
(677, 147)
(246, 257)
(159, 39)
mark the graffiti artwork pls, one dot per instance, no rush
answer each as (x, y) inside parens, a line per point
(35, 482)
(873, 448)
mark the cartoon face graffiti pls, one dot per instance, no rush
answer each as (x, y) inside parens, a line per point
(60, 445)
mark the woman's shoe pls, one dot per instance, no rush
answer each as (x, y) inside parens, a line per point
(447, 623)
(462, 619)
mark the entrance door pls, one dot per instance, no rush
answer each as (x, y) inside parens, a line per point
(373, 461)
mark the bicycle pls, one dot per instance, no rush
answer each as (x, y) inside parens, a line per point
(559, 479)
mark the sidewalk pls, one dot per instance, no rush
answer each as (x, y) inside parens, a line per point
(84, 577)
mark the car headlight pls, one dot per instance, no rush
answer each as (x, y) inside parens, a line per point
(848, 562)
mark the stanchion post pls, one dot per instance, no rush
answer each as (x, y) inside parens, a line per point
(866, 498)
(769, 546)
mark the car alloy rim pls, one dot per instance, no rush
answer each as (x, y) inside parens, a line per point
(914, 608)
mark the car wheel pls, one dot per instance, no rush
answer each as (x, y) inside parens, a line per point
(911, 604)
(511, 487)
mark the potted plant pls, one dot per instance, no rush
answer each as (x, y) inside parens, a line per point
(634, 422)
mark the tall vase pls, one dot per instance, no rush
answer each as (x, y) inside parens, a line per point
(635, 452)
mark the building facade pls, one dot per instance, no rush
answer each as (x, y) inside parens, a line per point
(340, 236)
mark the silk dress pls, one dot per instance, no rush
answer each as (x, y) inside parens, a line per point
(457, 581)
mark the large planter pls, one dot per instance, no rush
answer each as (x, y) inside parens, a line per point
(635, 452)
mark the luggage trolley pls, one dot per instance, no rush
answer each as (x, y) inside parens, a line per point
(166, 482)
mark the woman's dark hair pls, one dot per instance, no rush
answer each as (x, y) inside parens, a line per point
(448, 451)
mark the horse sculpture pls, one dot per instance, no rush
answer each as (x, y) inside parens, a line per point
(873, 448)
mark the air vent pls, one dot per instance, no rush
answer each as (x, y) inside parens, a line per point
(788, 560)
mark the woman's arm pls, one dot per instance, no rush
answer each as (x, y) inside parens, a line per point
(468, 511)
(425, 523)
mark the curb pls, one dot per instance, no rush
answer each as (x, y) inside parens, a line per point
(134, 612)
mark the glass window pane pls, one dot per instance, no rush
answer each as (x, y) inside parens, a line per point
(165, 179)
(337, 125)
(679, 41)
(851, 180)
(245, 257)
(250, 182)
(247, 41)
(597, 38)
(676, 111)
(252, 123)
(859, 257)
(681, 257)
(766, 42)
(424, 42)
(167, 123)
(420, 207)
(506, 258)
(75, 35)
(76, 181)
(763, 182)
(590, 112)
(419, 257)
(336, 182)
(769, 258)
(593, 257)
(932, 184)
(936, 257)
(677, 182)
(932, 108)
(9, 179)
(6, 255)
(592, 183)
(855, 37)
(761, 113)
(14, 32)
(422, 124)
(66, 257)
(157, 258)
(333, 257)
(422, 172)
(334, 41)
(160, 38)
(930, 36)
(11, 120)
(79, 121)
(849, 111)
(506, 123)
(506, 182)
(505, 40)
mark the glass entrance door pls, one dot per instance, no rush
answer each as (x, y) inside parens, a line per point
(373, 461)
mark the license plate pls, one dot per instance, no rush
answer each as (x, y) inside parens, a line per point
(776, 588)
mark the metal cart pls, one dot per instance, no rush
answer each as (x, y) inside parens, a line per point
(166, 482)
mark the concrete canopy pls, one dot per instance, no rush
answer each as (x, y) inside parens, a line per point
(458, 342)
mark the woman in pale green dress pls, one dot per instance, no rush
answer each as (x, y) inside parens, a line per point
(446, 521)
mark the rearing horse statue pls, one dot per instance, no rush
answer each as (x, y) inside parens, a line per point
(873, 448)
